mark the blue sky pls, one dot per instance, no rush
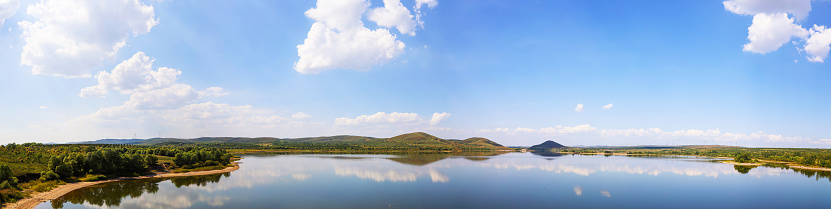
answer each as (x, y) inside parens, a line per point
(738, 72)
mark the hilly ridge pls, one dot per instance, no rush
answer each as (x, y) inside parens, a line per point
(416, 140)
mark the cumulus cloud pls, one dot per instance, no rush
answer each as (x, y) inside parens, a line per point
(772, 27)
(770, 31)
(7, 9)
(157, 100)
(438, 118)
(818, 45)
(799, 8)
(579, 108)
(608, 106)
(174, 96)
(394, 14)
(300, 116)
(71, 37)
(132, 75)
(380, 117)
(339, 40)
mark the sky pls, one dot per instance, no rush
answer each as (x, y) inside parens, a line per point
(581, 72)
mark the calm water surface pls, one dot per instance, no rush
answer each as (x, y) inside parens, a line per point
(513, 180)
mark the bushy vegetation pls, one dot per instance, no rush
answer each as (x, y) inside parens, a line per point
(801, 156)
(41, 167)
(202, 157)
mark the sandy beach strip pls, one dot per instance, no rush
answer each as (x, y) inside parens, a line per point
(61, 190)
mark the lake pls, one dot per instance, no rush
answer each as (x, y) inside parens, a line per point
(512, 180)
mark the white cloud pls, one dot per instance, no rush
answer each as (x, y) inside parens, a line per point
(213, 92)
(300, 116)
(71, 37)
(394, 14)
(43, 107)
(132, 75)
(818, 45)
(339, 40)
(175, 96)
(7, 9)
(380, 117)
(770, 31)
(771, 27)
(608, 106)
(579, 108)
(357, 49)
(799, 8)
(342, 15)
(438, 118)
(418, 14)
(430, 3)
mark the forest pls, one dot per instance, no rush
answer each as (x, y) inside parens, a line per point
(37, 167)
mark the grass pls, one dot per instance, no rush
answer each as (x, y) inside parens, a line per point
(207, 168)
(42, 186)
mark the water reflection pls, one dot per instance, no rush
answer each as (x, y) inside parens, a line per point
(546, 153)
(130, 194)
(367, 181)
(743, 169)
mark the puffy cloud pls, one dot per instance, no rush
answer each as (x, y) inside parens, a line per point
(394, 14)
(770, 31)
(342, 15)
(438, 118)
(339, 40)
(771, 27)
(132, 75)
(175, 96)
(71, 37)
(300, 116)
(357, 49)
(43, 107)
(579, 108)
(608, 106)
(429, 3)
(818, 45)
(799, 8)
(213, 92)
(380, 117)
(7, 9)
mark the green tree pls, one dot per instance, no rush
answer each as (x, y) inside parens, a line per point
(743, 158)
(6, 176)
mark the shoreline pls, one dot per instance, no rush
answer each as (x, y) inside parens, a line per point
(728, 160)
(37, 198)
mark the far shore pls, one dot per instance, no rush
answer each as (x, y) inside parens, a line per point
(35, 199)
(727, 160)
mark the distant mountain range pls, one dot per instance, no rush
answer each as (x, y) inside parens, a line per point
(418, 139)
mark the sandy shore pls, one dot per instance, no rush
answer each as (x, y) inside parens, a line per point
(61, 190)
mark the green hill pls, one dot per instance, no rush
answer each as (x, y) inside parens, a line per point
(547, 145)
(410, 141)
